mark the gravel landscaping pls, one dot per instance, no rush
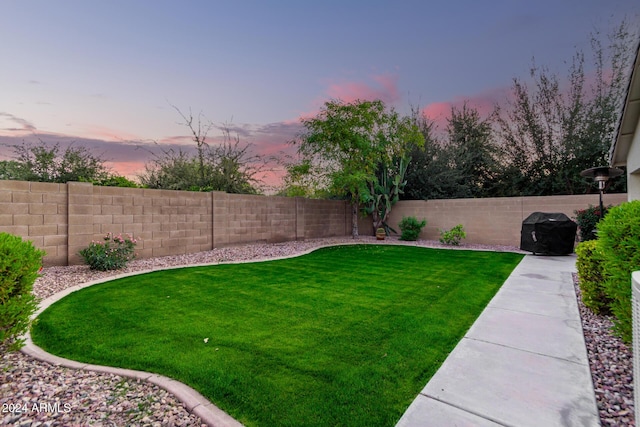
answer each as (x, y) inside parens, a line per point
(34, 393)
(611, 367)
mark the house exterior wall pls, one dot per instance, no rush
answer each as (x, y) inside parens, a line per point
(633, 166)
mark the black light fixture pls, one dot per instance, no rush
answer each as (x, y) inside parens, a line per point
(601, 175)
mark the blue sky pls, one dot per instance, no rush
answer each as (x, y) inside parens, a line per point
(106, 73)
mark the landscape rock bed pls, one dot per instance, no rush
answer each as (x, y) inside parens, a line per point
(611, 363)
(49, 395)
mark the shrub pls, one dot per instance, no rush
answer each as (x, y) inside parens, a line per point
(112, 254)
(453, 236)
(619, 237)
(587, 220)
(20, 262)
(411, 227)
(591, 279)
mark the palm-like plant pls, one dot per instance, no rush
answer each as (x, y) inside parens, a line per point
(385, 192)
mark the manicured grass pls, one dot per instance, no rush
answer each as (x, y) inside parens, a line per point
(346, 335)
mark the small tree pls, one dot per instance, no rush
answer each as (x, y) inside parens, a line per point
(350, 141)
(173, 170)
(199, 133)
(234, 168)
(223, 166)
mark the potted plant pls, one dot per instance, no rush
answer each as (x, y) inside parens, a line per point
(380, 233)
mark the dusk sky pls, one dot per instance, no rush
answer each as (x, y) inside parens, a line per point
(105, 74)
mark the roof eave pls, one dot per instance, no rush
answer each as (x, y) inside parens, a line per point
(628, 119)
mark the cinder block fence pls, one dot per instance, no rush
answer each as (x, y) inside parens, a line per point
(64, 218)
(491, 221)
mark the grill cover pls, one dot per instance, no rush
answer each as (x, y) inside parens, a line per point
(548, 234)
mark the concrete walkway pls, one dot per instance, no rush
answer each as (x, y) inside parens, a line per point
(522, 363)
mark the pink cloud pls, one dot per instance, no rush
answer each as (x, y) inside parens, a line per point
(383, 87)
(176, 140)
(438, 112)
(484, 102)
(127, 169)
(272, 180)
(108, 134)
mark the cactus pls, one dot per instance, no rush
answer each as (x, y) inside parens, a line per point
(383, 193)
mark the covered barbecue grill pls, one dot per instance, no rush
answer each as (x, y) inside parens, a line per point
(548, 234)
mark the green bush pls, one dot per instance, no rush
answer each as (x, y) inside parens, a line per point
(619, 239)
(591, 279)
(112, 254)
(587, 220)
(411, 227)
(20, 262)
(453, 236)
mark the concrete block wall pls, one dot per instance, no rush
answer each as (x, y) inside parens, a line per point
(323, 219)
(164, 222)
(36, 211)
(241, 218)
(248, 218)
(494, 221)
(64, 218)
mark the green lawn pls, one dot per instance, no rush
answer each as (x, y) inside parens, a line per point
(346, 335)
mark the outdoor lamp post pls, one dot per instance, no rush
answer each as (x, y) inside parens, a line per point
(601, 175)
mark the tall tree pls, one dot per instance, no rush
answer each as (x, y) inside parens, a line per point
(431, 173)
(350, 141)
(474, 153)
(539, 126)
(551, 131)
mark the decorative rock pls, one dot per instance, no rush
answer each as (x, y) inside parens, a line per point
(611, 365)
